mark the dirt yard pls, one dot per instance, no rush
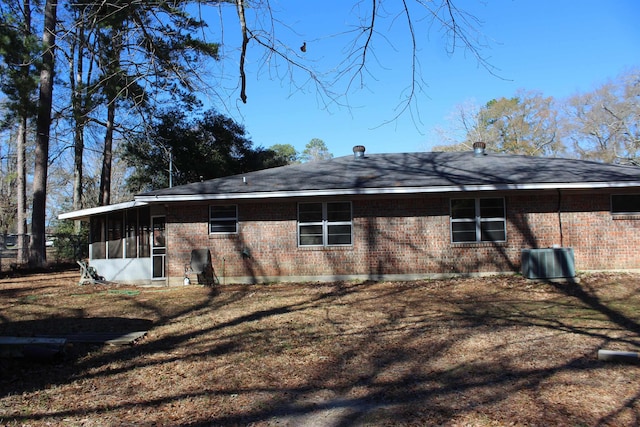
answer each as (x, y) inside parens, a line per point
(500, 351)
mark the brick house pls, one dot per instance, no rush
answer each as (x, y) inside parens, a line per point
(379, 216)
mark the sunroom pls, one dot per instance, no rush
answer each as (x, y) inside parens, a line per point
(126, 241)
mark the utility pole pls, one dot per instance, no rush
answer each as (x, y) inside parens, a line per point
(170, 168)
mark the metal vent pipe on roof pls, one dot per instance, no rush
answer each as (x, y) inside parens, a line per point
(479, 148)
(358, 152)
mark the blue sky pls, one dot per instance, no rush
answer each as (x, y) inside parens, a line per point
(557, 47)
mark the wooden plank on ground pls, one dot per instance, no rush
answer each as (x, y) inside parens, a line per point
(110, 338)
(32, 340)
(32, 347)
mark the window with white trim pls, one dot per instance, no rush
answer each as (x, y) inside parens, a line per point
(324, 224)
(625, 204)
(223, 219)
(478, 220)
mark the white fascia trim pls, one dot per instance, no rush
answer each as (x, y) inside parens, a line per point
(85, 213)
(387, 191)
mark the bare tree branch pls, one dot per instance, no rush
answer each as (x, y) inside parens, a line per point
(243, 53)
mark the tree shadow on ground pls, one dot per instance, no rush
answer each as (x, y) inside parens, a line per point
(409, 353)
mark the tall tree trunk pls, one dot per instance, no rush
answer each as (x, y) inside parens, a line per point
(21, 148)
(21, 184)
(79, 114)
(37, 253)
(107, 157)
(78, 150)
(112, 91)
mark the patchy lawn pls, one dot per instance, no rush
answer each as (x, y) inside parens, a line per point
(499, 351)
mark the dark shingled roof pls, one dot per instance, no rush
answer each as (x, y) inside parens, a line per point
(431, 170)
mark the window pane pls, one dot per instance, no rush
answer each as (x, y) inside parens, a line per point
(223, 226)
(492, 208)
(223, 212)
(339, 235)
(158, 230)
(463, 231)
(310, 212)
(307, 230)
(339, 211)
(158, 266)
(625, 203)
(310, 235)
(463, 208)
(493, 231)
(310, 240)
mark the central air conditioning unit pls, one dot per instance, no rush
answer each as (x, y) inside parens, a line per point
(548, 263)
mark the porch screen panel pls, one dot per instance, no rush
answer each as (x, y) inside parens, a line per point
(114, 235)
(144, 233)
(98, 237)
(131, 234)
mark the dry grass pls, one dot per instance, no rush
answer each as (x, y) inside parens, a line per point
(498, 351)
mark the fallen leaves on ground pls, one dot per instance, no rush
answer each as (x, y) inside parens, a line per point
(492, 351)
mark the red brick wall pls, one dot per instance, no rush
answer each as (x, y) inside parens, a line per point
(404, 236)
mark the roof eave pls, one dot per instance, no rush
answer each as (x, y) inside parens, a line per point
(84, 214)
(386, 191)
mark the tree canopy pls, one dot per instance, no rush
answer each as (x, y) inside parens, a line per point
(315, 150)
(604, 124)
(287, 153)
(525, 124)
(198, 148)
(20, 50)
(598, 125)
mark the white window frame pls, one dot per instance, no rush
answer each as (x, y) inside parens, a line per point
(478, 220)
(226, 219)
(325, 224)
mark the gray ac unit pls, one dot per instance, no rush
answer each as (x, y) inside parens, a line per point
(548, 263)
